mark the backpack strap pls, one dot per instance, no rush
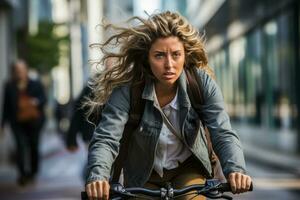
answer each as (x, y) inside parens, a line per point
(194, 89)
(137, 105)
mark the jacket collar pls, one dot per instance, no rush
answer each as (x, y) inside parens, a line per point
(183, 98)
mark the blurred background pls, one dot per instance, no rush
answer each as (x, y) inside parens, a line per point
(253, 47)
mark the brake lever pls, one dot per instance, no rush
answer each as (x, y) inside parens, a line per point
(117, 198)
(217, 195)
(125, 194)
(120, 190)
(226, 197)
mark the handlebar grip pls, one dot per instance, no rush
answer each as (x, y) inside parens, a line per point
(225, 187)
(84, 196)
(251, 187)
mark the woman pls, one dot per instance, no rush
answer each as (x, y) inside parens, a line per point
(158, 50)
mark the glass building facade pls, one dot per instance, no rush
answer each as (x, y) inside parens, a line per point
(258, 73)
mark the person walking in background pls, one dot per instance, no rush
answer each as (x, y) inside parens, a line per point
(23, 109)
(80, 125)
(168, 144)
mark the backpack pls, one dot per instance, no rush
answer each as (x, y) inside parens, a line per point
(137, 105)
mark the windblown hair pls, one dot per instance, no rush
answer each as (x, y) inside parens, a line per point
(134, 43)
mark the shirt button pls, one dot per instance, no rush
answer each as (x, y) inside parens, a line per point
(141, 129)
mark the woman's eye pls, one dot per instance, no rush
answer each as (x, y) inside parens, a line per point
(158, 56)
(176, 54)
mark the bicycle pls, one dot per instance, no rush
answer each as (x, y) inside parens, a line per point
(212, 189)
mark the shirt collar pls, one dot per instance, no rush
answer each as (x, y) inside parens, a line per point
(174, 102)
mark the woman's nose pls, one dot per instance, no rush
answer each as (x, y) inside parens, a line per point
(169, 61)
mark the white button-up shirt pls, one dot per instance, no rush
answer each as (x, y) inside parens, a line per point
(170, 149)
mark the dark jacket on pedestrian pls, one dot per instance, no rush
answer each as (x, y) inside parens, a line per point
(11, 95)
(79, 122)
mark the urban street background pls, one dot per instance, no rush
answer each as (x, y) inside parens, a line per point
(253, 47)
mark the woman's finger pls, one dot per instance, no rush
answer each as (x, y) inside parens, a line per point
(244, 183)
(88, 191)
(248, 183)
(231, 180)
(106, 188)
(94, 190)
(238, 180)
(99, 189)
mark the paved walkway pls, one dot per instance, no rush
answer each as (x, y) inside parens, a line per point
(276, 148)
(59, 177)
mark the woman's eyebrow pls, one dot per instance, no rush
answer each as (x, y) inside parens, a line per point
(158, 51)
(177, 51)
(161, 51)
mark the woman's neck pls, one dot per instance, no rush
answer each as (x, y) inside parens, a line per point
(165, 94)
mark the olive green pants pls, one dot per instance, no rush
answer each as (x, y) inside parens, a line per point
(187, 173)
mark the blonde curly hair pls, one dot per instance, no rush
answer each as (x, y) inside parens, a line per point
(134, 42)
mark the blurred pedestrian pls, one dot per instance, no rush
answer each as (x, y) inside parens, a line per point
(80, 125)
(23, 109)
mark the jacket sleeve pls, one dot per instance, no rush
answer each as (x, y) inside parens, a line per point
(41, 96)
(224, 139)
(104, 146)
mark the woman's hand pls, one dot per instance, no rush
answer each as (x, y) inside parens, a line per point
(98, 190)
(239, 182)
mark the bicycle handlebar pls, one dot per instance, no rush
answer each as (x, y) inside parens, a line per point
(204, 189)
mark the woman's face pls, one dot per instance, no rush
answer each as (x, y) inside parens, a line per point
(166, 59)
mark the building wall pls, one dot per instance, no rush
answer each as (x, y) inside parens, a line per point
(256, 63)
(6, 46)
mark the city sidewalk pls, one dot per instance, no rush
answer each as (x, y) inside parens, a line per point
(60, 175)
(275, 148)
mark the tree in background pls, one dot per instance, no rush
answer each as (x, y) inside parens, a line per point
(43, 49)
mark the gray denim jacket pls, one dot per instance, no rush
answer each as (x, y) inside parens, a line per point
(104, 145)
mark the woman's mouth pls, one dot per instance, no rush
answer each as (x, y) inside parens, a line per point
(168, 75)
